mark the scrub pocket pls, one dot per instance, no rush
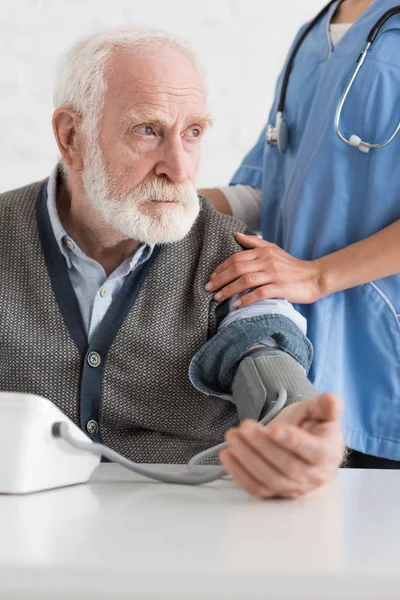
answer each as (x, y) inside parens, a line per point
(371, 363)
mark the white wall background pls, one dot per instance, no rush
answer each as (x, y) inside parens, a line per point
(242, 44)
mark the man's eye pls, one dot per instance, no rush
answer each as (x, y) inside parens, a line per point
(194, 132)
(146, 130)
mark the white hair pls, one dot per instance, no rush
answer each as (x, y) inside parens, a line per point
(80, 83)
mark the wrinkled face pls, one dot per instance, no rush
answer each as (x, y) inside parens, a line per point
(140, 171)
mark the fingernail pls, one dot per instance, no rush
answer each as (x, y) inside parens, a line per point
(237, 303)
(213, 275)
(218, 296)
(208, 287)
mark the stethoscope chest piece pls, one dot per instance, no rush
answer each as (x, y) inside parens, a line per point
(279, 134)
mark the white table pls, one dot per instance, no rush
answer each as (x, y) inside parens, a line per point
(122, 536)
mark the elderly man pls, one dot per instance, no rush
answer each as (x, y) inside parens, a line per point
(103, 270)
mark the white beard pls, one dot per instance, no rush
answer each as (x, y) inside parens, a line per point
(125, 212)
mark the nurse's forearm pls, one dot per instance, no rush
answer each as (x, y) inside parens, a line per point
(217, 198)
(375, 257)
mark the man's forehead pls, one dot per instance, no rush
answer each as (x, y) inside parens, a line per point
(161, 82)
(165, 68)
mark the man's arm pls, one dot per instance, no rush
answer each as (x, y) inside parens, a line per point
(302, 446)
(277, 274)
(257, 351)
(271, 323)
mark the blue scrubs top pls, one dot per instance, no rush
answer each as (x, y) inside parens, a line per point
(322, 195)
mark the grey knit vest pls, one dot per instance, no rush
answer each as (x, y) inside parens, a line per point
(143, 402)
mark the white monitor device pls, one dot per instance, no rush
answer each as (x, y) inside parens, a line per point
(32, 458)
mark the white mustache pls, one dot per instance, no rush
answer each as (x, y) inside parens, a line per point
(158, 191)
(166, 200)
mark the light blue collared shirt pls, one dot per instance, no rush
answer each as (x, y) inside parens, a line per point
(95, 291)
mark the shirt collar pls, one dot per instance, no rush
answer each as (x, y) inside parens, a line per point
(142, 253)
(56, 225)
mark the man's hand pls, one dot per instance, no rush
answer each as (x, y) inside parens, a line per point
(272, 271)
(297, 452)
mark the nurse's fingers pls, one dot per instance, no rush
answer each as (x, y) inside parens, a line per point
(234, 272)
(250, 280)
(238, 257)
(251, 241)
(264, 292)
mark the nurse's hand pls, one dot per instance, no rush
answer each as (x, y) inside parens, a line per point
(272, 271)
(297, 452)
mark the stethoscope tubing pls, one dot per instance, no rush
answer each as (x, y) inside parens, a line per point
(274, 132)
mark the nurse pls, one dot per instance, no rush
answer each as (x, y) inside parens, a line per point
(330, 219)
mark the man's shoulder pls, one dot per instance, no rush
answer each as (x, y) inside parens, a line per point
(213, 233)
(210, 218)
(25, 192)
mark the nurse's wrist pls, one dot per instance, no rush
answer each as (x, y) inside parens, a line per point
(325, 278)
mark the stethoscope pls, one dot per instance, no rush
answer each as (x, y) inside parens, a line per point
(279, 134)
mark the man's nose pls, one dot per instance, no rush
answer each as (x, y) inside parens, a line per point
(173, 163)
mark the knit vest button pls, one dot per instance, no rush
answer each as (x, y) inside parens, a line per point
(92, 427)
(93, 359)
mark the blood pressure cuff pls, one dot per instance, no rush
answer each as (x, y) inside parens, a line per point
(214, 367)
(259, 377)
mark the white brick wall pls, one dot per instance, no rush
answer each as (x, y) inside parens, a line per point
(242, 44)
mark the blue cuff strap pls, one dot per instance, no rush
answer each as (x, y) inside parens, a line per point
(215, 364)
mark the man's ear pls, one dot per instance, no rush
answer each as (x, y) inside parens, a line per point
(66, 127)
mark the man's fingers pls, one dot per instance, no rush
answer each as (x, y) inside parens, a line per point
(240, 475)
(311, 448)
(288, 465)
(284, 457)
(253, 459)
(325, 407)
